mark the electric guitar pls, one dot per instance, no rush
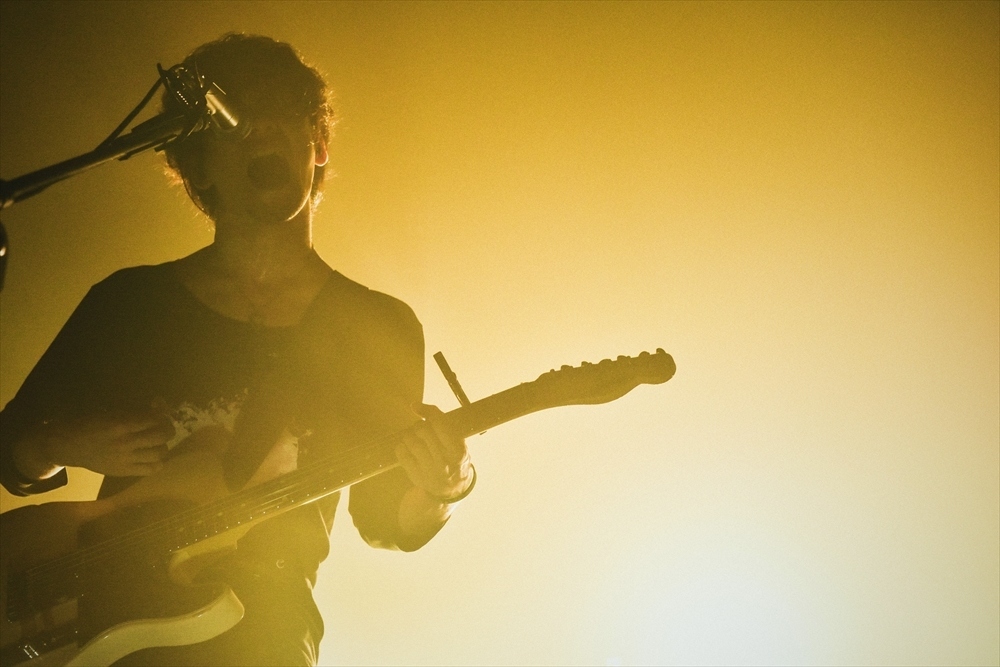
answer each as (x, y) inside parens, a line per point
(62, 558)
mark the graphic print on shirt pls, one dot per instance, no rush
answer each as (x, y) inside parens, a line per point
(189, 419)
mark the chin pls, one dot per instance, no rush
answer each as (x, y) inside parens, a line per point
(277, 207)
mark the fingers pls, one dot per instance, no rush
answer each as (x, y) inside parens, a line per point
(434, 458)
(144, 429)
(416, 446)
(144, 443)
(425, 410)
(433, 452)
(444, 446)
(112, 443)
(408, 461)
(147, 424)
(149, 454)
(141, 469)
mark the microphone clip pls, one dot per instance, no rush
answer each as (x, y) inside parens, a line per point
(205, 100)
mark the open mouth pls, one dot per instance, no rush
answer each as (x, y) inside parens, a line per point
(269, 172)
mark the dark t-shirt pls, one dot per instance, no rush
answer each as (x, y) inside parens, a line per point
(346, 374)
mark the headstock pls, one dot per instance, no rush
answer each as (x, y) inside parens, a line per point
(591, 384)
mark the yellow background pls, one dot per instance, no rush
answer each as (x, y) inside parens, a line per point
(799, 201)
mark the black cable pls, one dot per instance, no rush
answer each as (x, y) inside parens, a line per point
(135, 112)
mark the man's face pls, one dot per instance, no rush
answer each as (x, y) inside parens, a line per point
(268, 176)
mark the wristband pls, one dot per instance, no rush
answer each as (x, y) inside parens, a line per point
(462, 496)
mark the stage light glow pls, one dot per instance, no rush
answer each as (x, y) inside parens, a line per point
(798, 201)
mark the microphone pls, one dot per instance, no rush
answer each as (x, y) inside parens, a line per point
(197, 94)
(223, 114)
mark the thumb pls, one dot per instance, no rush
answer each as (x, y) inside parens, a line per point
(425, 411)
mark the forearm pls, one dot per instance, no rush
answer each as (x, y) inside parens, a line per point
(420, 515)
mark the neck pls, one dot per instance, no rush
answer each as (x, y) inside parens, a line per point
(263, 254)
(262, 273)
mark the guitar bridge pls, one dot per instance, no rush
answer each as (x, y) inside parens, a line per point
(43, 647)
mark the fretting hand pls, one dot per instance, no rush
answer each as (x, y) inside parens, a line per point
(435, 460)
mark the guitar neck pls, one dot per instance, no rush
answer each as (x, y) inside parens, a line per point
(492, 411)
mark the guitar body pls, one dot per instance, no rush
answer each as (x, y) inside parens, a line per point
(30, 633)
(122, 595)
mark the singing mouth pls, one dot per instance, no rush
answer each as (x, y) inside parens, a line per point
(269, 172)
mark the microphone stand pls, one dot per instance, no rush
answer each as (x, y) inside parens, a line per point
(155, 133)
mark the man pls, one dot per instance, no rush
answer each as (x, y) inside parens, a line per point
(252, 346)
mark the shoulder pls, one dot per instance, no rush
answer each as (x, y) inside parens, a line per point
(368, 306)
(125, 292)
(135, 281)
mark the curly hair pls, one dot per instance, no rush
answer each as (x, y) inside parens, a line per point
(238, 61)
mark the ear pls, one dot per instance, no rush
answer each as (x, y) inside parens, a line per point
(322, 154)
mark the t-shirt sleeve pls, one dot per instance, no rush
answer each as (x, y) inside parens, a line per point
(374, 503)
(58, 387)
